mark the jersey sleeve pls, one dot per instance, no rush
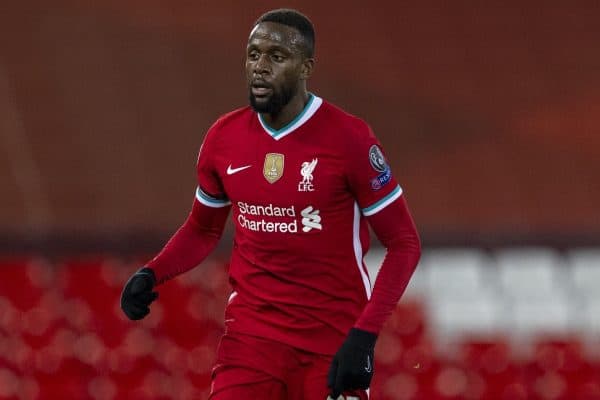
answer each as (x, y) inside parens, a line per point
(191, 244)
(210, 191)
(396, 230)
(369, 174)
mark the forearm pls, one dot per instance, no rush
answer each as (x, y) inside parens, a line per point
(192, 242)
(396, 230)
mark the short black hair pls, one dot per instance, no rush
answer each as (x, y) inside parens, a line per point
(294, 19)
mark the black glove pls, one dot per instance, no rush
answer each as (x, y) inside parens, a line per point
(352, 365)
(137, 294)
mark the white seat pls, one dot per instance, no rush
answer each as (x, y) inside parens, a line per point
(539, 316)
(584, 267)
(458, 272)
(530, 273)
(590, 317)
(459, 316)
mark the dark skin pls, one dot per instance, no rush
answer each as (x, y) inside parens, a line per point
(277, 69)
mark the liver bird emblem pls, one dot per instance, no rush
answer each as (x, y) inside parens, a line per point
(307, 170)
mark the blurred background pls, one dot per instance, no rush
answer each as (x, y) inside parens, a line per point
(489, 114)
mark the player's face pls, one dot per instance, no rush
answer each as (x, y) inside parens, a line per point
(275, 66)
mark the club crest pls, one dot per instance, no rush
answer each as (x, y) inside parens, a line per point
(273, 168)
(306, 170)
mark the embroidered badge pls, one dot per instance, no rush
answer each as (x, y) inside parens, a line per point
(273, 167)
(377, 159)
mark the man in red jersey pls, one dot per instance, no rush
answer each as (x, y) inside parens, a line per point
(303, 178)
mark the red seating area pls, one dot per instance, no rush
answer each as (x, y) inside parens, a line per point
(63, 336)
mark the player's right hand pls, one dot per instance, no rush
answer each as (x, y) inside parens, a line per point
(138, 295)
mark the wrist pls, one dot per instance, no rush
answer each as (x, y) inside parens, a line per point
(149, 272)
(363, 337)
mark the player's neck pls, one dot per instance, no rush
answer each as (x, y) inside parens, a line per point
(287, 114)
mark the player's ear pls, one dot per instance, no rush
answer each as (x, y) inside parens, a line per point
(307, 68)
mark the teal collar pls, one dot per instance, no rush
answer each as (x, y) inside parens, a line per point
(314, 102)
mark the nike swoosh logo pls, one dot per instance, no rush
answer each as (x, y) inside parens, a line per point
(231, 171)
(368, 368)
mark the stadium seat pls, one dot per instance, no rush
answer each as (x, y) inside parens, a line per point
(16, 353)
(590, 323)
(129, 363)
(421, 362)
(530, 317)
(457, 272)
(102, 387)
(92, 296)
(14, 386)
(418, 285)
(183, 312)
(388, 350)
(458, 333)
(529, 273)
(210, 276)
(10, 383)
(489, 354)
(61, 384)
(584, 268)
(38, 324)
(491, 358)
(397, 386)
(560, 353)
(10, 317)
(153, 384)
(558, 368)
(170, 356)
(24, 280)
(200, 361)
(454, 382)
(453, 318)
(133, 383)
(408, 321)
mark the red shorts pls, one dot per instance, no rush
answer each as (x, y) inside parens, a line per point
(249, 367)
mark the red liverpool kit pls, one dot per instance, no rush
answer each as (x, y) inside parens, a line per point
(299, 197)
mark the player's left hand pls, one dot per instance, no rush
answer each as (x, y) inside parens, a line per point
(352, 365)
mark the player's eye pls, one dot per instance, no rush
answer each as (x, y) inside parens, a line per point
(277, 57)
(253, 55)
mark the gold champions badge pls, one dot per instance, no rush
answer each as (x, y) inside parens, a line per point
(273, 168)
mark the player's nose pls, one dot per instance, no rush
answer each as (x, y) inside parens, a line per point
(261, 65)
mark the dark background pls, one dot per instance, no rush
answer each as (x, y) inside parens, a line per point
(489, 113)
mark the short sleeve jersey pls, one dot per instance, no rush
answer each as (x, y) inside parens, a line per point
(299, 197)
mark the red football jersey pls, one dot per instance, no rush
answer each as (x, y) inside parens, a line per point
(299, 196)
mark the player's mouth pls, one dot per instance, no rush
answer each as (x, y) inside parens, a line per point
(261, 89)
